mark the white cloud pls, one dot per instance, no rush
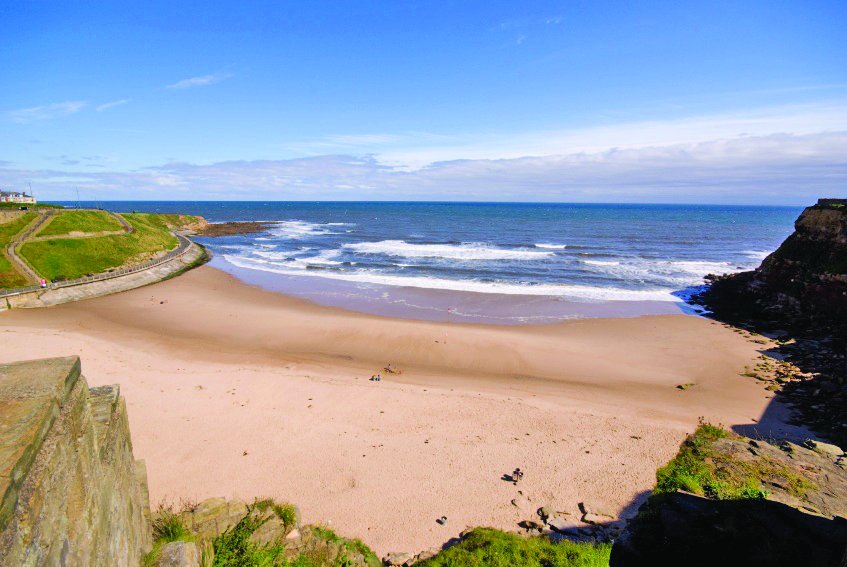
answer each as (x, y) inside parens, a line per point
(112, 104)
(202, 81)
(45, 112)
(798, 120)
(774, 169)
(778, 155)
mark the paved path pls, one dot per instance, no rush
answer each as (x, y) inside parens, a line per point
(12, 248)
(44, 298)
(124, 223)
(71, 235)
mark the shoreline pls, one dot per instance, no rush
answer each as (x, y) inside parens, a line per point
(443, 305)
(239, 392)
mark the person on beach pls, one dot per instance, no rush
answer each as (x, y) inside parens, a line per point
(517, 475)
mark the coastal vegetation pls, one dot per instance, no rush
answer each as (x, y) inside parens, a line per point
(495, 548)
(29, 206)
(80, 221)
(167, 221)
(700, 470)
(9, 276)
(68, 258)
(264, 533)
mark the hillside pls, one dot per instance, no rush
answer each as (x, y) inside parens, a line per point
(65, 244)
(10, 225)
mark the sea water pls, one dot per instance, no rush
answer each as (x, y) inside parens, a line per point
(501, 263)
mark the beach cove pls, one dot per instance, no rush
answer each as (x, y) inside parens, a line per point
(239, 392)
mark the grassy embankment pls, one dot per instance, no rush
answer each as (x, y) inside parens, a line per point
(17, 206)
(9, 276)
(495, 548)
(80, 221)
(69, 258)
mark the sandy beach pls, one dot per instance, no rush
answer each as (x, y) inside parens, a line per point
(239, 392)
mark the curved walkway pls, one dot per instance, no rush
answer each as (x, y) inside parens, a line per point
(72, 235)
(124, 223)
(12, 248)
(185, 256)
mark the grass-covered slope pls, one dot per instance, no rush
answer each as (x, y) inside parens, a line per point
(494, 548)
(69, 258)
(80, 221)
(166, 221)
(265, 533)
(9, 276)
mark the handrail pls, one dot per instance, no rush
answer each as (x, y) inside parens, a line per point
(184, 245)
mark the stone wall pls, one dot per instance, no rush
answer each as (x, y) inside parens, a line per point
(72, 492)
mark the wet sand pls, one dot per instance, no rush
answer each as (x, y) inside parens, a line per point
(239, 392)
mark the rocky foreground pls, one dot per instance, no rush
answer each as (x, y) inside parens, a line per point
(726, 499)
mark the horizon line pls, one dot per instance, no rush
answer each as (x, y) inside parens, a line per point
(425, 202)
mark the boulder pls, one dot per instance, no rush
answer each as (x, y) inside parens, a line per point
(426, 554)
(178, 554)
(398, 559)
(559, 523)
(596, 519)
(214, 516)
(828, 448)
(272, 531)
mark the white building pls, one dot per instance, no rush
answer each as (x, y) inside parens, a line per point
(15, 197)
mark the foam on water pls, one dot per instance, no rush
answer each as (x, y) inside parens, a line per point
(572, 292)
(296, 229)
(464, 251)
(586, 253)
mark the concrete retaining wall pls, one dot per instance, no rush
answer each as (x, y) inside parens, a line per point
(57, 296)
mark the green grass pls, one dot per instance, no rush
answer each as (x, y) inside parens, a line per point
(80, 221)
(167, 527)
(494, 548)
(76, 257)
(700, 470)
(233, 548)
(284, 511)
(166, 221)
(9, 276)
(31, 207)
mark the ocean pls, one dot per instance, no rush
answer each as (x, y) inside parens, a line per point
(500, 263)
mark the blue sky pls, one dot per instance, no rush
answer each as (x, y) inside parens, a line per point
(725, 102)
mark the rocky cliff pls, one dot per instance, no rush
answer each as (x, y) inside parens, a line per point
(72, 493)
(802, 285)
(799, 296)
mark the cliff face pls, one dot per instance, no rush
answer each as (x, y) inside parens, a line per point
(72, 493)
(803, 283)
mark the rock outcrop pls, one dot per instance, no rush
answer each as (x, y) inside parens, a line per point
(799, 296)
(756, 504)
(72, 493)
(223, 532)
(802, 285)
